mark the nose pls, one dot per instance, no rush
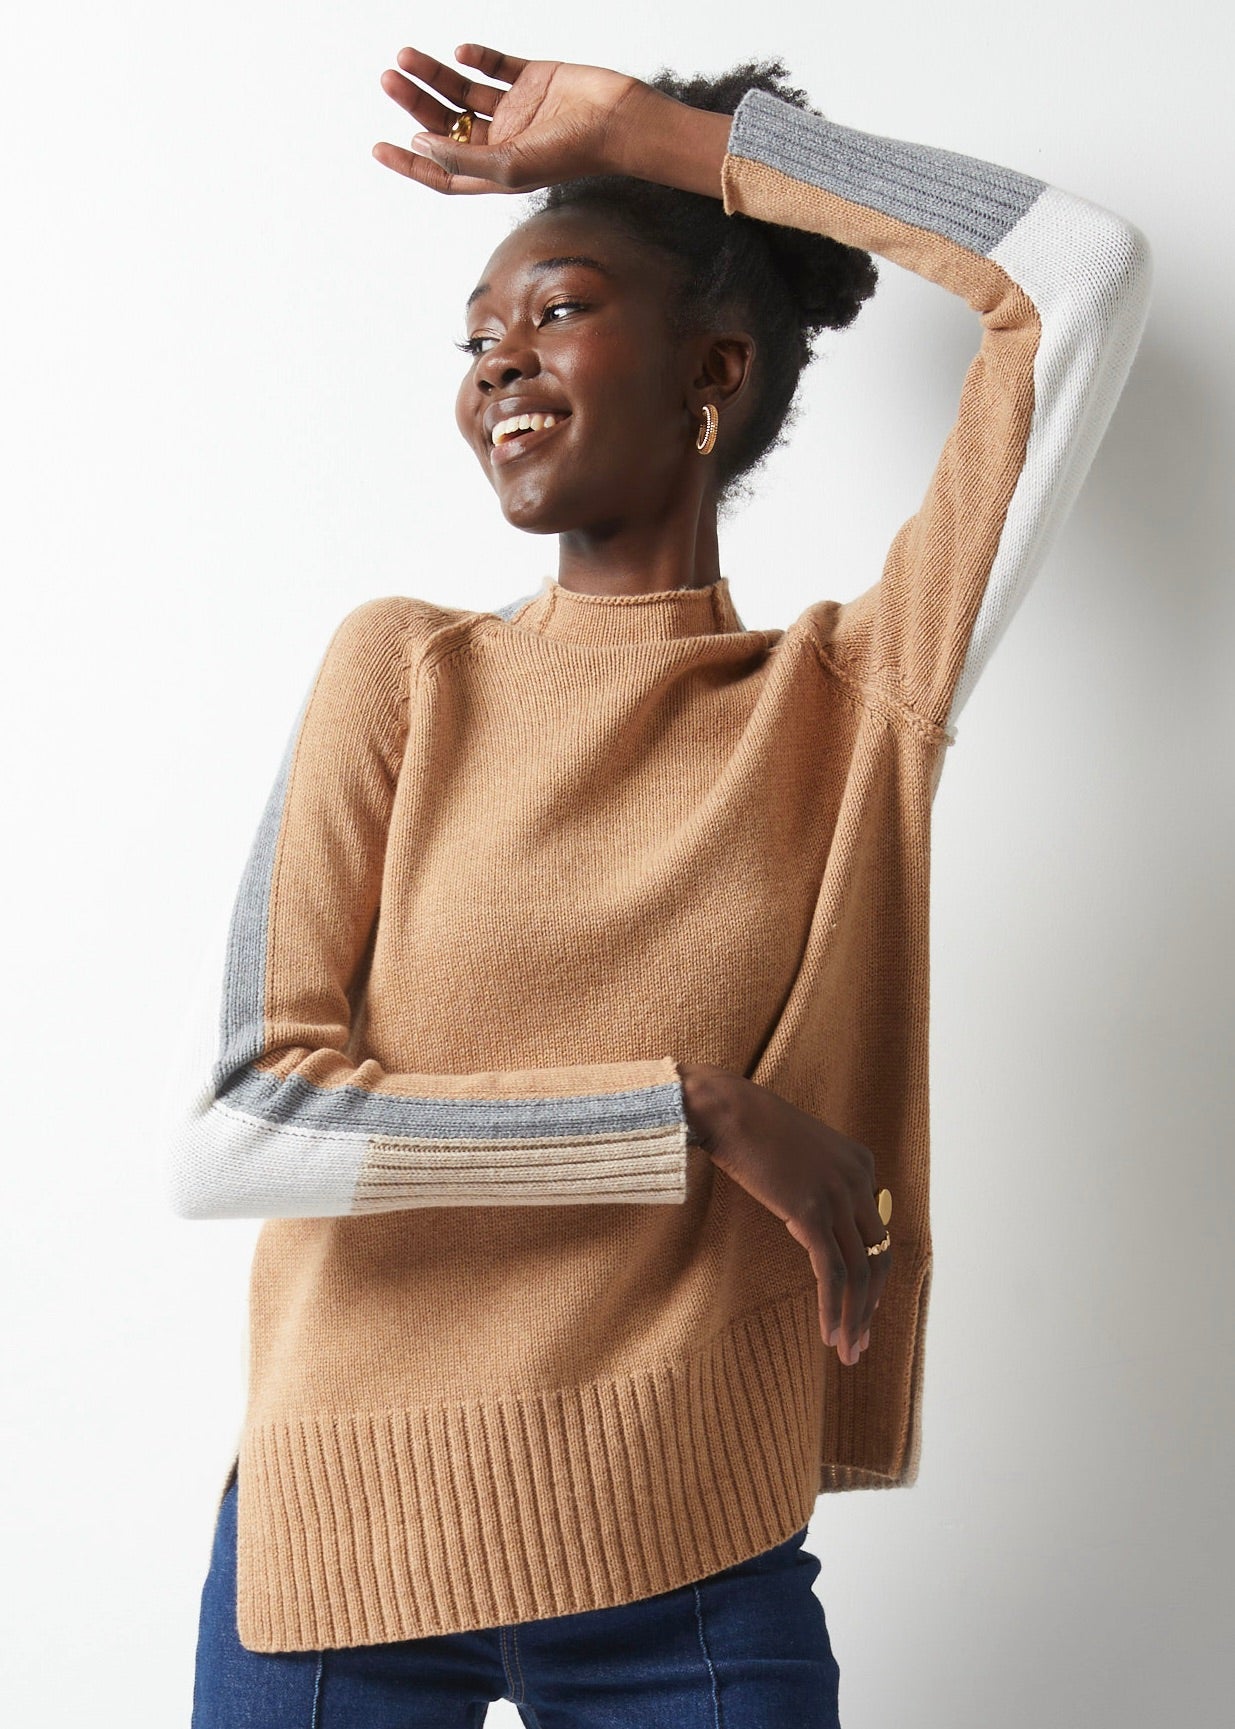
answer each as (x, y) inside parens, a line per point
(502, 364)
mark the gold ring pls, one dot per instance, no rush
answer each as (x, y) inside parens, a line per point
(461, 131)
(883, 1200)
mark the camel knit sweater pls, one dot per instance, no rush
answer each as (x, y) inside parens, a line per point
(517, 1347)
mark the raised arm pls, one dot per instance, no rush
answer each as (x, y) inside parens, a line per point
(1062, 287)
(269, 1114)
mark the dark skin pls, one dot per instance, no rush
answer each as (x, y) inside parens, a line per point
(618, 479)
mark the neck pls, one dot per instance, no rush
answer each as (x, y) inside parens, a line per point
(650, 556)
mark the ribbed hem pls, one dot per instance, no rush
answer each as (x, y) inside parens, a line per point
(872, 1418)
(367, 1528)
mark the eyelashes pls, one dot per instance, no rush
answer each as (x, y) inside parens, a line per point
(472, 344)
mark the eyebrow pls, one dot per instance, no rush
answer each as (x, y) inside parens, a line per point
(543, 264)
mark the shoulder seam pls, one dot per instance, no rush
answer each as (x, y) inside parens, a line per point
(418, 651)
(448, 640)
(879, 701)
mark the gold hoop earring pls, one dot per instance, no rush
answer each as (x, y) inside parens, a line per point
(706, 436)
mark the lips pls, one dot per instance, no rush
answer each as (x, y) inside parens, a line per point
(525, 443)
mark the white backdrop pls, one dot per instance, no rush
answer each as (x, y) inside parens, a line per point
(227, 418)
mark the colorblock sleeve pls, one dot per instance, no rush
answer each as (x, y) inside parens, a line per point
(270, 1112)
(1062, 288)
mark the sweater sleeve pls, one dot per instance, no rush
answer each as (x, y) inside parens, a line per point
(1062, 287)
(267, 1111)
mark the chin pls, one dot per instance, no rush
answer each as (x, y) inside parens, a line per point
(538, 510)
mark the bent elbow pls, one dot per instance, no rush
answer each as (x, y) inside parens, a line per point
(193, 1185)
(1133, 260)
(1121, 263)
(190, 1194)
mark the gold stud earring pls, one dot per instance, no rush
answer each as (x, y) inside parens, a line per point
(706, 436)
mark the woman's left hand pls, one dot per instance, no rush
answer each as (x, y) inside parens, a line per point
(557, 121)
(815, 1179)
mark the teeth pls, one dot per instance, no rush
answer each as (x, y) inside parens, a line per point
(521, 423)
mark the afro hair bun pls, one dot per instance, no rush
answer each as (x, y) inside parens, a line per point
(828, 280)
(785, 284)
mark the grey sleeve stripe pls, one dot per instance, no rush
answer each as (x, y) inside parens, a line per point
(508, 611)
(352, 1110)
(243, 1007)
(971, 202)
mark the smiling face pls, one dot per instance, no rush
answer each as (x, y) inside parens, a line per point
(588, 343)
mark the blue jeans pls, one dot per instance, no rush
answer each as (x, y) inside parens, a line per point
(745, 1648)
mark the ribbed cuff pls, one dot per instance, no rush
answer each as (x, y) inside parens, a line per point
(972, 202)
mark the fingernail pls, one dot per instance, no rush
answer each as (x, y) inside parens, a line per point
(865, 1340)
(420, 145)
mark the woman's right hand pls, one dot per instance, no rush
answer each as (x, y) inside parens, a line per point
(556, 122)
(817, 1180)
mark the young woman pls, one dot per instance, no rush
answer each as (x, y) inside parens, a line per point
(569, 1028)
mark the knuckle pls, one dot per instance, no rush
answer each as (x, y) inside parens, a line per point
(813, 1223)
(816, 1205)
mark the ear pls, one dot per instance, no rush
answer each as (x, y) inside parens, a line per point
(723, 370)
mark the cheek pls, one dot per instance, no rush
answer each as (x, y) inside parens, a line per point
(628, 387)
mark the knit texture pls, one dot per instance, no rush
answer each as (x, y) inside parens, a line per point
(517, 1347)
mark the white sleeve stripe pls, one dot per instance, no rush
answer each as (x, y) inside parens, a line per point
(1092, 319)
